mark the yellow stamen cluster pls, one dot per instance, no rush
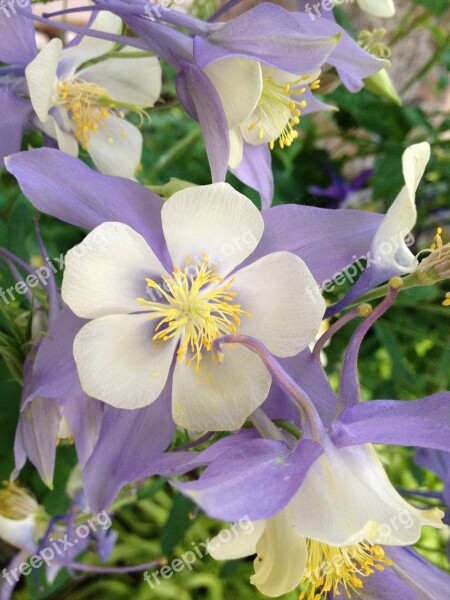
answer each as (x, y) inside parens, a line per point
(279, 108)
(16, 503)
(371, 42)
(199, 307)
(329, 568)
(88, 105)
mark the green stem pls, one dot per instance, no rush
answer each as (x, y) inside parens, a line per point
(175, 151)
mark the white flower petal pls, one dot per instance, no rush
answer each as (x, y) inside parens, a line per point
(20, 533)
(236, 148)
(220, 396)
(41, 77)
(118, 362)
(132, 80)
(238, 542)
(212, 219)
(282, 297)
(116, 148)
(281, 557)
(347, 497)
(238, 82)
(66, 141)
(388, 245)
(91, 47)
(378, 8)
(106, 272)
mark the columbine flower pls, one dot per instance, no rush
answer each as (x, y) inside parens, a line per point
(267, 106)
(86, 106)
(327, 497)
(142, 314)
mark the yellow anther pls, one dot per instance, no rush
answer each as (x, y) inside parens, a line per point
(278, 108)
(335, 569)
(196, 306)
(446, 302)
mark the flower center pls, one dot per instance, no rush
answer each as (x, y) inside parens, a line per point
(199, 307)
(88, 104)
(278, 109)
(330, 567)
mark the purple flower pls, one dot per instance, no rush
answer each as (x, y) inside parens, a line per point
(327, 496)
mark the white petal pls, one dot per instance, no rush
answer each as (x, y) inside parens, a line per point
(133, 80)
(212, 219)
(238, 82)
(281, 557)
(378, 8)
(116, 148)
(236, 148)
(347, 497)
(220, 396)
(106, 272)
(66, 141)
(91, 47)
(41, 77)
(282, 297)
(118, 362)
(388, 246)
(237, 542)
(19, 533)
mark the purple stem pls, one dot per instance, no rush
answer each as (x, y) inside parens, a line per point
(52, 294)
(285, 381)
(167, 15)
(111, 37)
(356, 312)
(77, 566)
(9, 256)
(223, 9)
(18, 277)
(349, 390)
(204, 438)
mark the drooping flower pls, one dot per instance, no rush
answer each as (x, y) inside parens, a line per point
(85, 106)
(334, 508)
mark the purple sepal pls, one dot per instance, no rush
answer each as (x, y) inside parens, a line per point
(255, 170)
(268, 34)
(180, 462)
(205, 103)
(424, 422)
(17, 36)
(64, 187)
(129, 442)
(13, 116)
(438, 462)
(256, 479)
(410, 578)
(327, 240)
